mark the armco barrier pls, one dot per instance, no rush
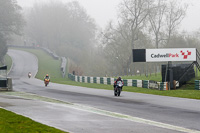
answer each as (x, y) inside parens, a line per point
(127, 82)
(109, 81)
(134, 83)
(153, 85)
(101, 80)
(139, 83)
(91, 80)
(83, 79)
(145, 83)
(95, 80)
(63, 66)
(98, 80)
(56, 57)
(88, 79)
(163, 85)
(197, 84)
(105, 80)
(48, 51)
(112, 81)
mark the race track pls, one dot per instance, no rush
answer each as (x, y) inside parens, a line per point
(85, 110)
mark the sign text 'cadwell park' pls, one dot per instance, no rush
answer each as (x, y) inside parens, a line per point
(163, 55)
(176, 54)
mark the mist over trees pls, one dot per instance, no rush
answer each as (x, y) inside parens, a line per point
(11, 22)
(68, 30)
(127, 33)
(144, 24)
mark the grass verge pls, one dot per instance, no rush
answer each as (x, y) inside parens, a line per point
(51, 66)
(154, 77)
(13, 123)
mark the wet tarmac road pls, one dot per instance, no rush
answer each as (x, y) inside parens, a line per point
(94, 110)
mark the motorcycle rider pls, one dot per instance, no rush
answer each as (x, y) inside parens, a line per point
(29, 74)
(118, 79)
(47, 77)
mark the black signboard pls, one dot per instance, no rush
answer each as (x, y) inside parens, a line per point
(139, 55)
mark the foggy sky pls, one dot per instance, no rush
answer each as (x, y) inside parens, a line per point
(104, 10)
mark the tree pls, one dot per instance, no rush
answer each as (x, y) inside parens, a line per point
(133, 14)
(174, 16)
(11, 22)
(64, 28)
(184, 40)
(156, 18)
(117, 50)
(55, 24)
(132, 20)
(164, 18)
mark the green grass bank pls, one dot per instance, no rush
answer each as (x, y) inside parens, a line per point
(14, 123)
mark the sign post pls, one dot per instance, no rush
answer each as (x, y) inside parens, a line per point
(166, 55)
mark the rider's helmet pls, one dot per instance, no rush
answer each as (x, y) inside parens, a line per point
(119, 78)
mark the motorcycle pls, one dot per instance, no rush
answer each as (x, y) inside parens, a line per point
(29, 75)
(46, 81)
(118, 88)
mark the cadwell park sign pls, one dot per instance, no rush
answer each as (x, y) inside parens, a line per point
(164, 55)
(171, 73)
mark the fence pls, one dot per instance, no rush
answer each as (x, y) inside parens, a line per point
(197, 84)
(127, 82)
